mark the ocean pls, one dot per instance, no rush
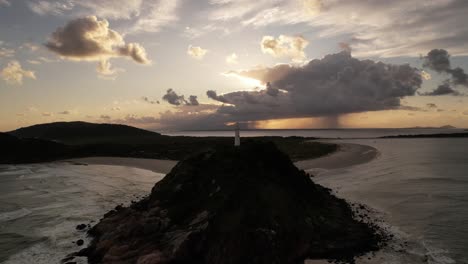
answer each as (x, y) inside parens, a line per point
(416, 188)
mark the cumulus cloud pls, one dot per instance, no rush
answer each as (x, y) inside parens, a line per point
(443, 89)
(285, 46)
(329, 87)
(231, 58)
(13, 73)
(196, 52)
(105, 117)
(91, 39)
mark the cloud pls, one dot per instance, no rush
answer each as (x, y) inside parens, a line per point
(285, 46)
(431, 105)
(425, 75)
(43, 8)
(47, 114)
(439, 60)
(174, 99)
(104, 68)
(105, 117)
(91, 39)
(146, 99)
(114, 9)
(156, 15)
(66, 112)
(443, 89)
(213, 95)
(6, 53)
(375, 28)
(4, 3)
(192, 100)
(13, 73)
(196, 52)
(329, 87)
(231, 58)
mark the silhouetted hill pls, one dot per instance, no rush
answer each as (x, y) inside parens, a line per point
(85, 133)
(16, 150)
(231, 205)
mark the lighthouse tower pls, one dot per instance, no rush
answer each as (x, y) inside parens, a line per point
(237, 136)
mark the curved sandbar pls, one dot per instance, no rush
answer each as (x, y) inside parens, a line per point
(155, 165)
(347, 155)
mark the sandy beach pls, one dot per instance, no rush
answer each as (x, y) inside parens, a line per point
(155, 165)
(347, 155)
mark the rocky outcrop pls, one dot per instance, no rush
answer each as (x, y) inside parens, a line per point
(232, 205)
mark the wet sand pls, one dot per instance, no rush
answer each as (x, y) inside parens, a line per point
(347, 155)
(155, 165)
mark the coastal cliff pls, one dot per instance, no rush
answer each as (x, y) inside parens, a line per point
(232, 205)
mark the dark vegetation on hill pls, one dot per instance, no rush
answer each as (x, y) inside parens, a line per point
(85, 133)
(232, 205)
(65, 140)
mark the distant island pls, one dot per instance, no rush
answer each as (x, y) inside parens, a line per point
(441, 127)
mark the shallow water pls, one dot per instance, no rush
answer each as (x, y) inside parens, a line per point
(419, 187)
(41, 204)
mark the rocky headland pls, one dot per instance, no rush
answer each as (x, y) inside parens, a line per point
(248, 204)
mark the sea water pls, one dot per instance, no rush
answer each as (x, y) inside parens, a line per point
(41, 205)
(417, 188)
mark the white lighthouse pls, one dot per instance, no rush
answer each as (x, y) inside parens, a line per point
(237, 135)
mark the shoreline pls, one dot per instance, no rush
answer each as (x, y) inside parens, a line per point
(154, 165)
(348, 154)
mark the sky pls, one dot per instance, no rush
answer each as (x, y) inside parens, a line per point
(181, 64)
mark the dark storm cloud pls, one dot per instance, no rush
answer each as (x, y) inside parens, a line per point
(459, 77)
(337, 84)
(329, 87)
(174, 99)
(192, 100)
(270, 90)
(213, 95)
(439, 61)
(443, 89)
